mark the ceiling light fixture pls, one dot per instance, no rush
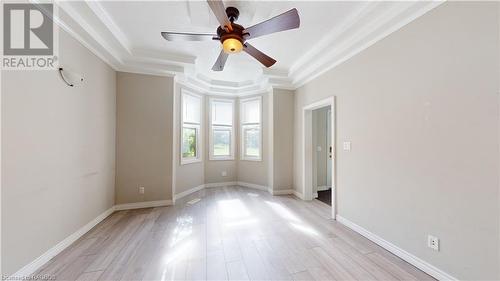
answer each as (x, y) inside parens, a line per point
(234, 37)
(232, 46)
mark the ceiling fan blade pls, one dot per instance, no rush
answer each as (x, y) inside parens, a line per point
(287, 20)
(220, 62)
(185, 36)
(258, 55)
(220, 13)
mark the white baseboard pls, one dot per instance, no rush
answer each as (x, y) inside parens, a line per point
(145, 204)
(408, 257)
(298, 194)
(233, 183)
(324, 187)
(52, 252)
(252, 185)
(187, 192)
(30, 268)
(281, 192)
(220, 184)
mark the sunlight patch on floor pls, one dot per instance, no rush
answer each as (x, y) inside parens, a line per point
(283, 212)
(233, 209)
(182, 230)
(242, 223)
(305, 229)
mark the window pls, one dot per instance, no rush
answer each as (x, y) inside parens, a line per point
(221, 129)
(191, 123)
(251, 136)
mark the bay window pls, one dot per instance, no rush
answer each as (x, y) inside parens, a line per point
(251, 128)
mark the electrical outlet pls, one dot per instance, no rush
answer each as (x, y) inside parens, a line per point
(433, 242)
(346, 146)
(224, 174)
(141, 189)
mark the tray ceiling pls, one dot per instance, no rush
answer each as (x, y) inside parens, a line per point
(126, 34)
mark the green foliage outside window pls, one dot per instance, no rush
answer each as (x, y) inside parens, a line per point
(222, 142)
(252, 140)
(188, 142)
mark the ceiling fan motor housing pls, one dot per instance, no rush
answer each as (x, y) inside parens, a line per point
(236, 33)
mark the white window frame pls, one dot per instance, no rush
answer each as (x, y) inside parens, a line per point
(196, 126)
(242, 135)
(213, 127)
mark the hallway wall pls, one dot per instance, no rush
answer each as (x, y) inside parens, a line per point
(421, 110)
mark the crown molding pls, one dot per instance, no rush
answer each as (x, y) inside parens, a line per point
(113, 28)
(64, 21)
(90, 24)
(372, 32)
(87, 31)
(207, 89)
(329, 39)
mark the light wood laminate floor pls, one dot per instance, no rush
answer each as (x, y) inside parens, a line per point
(232, 233)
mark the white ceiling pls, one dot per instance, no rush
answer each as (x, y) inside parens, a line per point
(150, 18)
(127, 35)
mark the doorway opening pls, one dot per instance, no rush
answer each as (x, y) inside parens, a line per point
(322, 158)
(319, 152)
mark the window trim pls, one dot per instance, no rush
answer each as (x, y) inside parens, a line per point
(244, 157)
(197, 126)
(211, 127)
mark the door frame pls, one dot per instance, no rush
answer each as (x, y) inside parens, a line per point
(308, 150)
(329, 155)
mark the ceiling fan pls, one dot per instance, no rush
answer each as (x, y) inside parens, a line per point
(234, 36)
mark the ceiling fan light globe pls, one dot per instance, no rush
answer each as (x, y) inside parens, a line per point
(232, 46)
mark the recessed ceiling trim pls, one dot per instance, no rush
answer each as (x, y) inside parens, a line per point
(203, 89)
(108, 22)
(89, 29)
(163, 67)
(163, 57)
(82, 37)
(224, 83)
(326, 42)
(354, 36)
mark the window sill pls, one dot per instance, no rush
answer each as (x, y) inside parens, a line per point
(190, 161)
(221, 159)
(251, 159)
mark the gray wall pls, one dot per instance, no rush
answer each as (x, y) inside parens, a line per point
(283, 115)
(256, 172)
(58, 153)
(421, 110)
(143, 137)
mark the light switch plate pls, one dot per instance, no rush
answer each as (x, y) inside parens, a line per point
(223, 173)
(433, 242)
(347, 146)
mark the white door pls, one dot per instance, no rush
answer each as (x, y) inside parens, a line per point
(329, 149)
